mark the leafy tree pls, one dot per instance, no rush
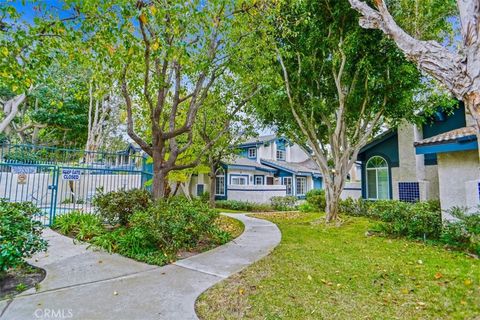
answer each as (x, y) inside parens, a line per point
(26, 51)
(455, 67)
(166, 56)
(341, 85)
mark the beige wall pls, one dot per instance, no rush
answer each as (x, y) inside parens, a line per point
(458, 172)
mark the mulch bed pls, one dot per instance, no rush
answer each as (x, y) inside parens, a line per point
(20, 279)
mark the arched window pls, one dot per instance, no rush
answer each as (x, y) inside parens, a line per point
(377, 179)
(220, 182)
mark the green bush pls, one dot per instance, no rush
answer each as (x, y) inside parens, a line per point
(354, 207)
(20, 234)
(307, 207)
(283, 203)
(316, 198)
(398, 218)
(205, 196)
(416, 220)
(178, 223)
(79, 225)
(117, 207)
(243, 206)
(156, 234)
(464, 233)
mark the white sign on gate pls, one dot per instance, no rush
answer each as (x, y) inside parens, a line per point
(71, 174)
(23, 169)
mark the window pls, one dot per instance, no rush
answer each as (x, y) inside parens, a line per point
(200, 189)
(259, 180)
(252, 152)
(220, 185)
(287, 181)
(280, 155)
(377, 179)
(238, 180)
(270, 181)
(301, 186)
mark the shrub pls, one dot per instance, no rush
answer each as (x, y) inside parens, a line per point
(405, 219)
(156, 234)
(117, 207)
(205, 196)
(464, 233)
(283, 203)
(243, 206)
(316, 198)
(413, 220)
(307, 207)
(79, 225)
(354, 207)
(20, 234)
(177, 223)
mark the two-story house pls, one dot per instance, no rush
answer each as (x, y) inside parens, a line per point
(266, 166)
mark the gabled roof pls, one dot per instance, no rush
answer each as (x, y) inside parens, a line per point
(255, 141)
(306, 167)
(242, 162)
(465, 133)
(378, 139)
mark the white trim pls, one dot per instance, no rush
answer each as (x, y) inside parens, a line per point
(377, 169)
(223, 189)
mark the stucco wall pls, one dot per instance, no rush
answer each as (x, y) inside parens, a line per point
(352, 190)
(296, 154)
(457, 171)
(257, 194)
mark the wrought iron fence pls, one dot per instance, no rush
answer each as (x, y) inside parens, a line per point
(61, 180)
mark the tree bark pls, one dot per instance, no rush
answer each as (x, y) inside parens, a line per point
(213, 177)
(458, 71)
(11, 108)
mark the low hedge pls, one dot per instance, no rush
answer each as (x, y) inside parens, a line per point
(243, 206)
(420, 220)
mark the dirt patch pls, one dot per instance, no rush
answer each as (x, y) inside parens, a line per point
(20, 279)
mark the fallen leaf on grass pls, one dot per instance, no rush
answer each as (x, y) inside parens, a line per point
(438, 275)
(467, 282)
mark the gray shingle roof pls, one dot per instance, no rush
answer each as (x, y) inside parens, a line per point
(261, 139)
(242, 161)
(296, 167)
(448, 136)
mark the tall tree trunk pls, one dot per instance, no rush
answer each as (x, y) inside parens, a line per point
(213, 177)
(159, 175)
(472, 105)
(333, 191)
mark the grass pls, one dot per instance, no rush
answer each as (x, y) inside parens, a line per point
(323, 272)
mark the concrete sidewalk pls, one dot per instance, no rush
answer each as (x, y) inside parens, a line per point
(86, 284)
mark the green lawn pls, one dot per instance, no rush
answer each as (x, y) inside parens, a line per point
(320, 272)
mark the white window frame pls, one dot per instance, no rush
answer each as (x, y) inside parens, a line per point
(283, 155)
(252, 153)
(286, 186)
(262, 180)
(222, 191)
(376, 169)
(304, 186)
(244, 178)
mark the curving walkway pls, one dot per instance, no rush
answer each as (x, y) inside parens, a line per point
(86, 284)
